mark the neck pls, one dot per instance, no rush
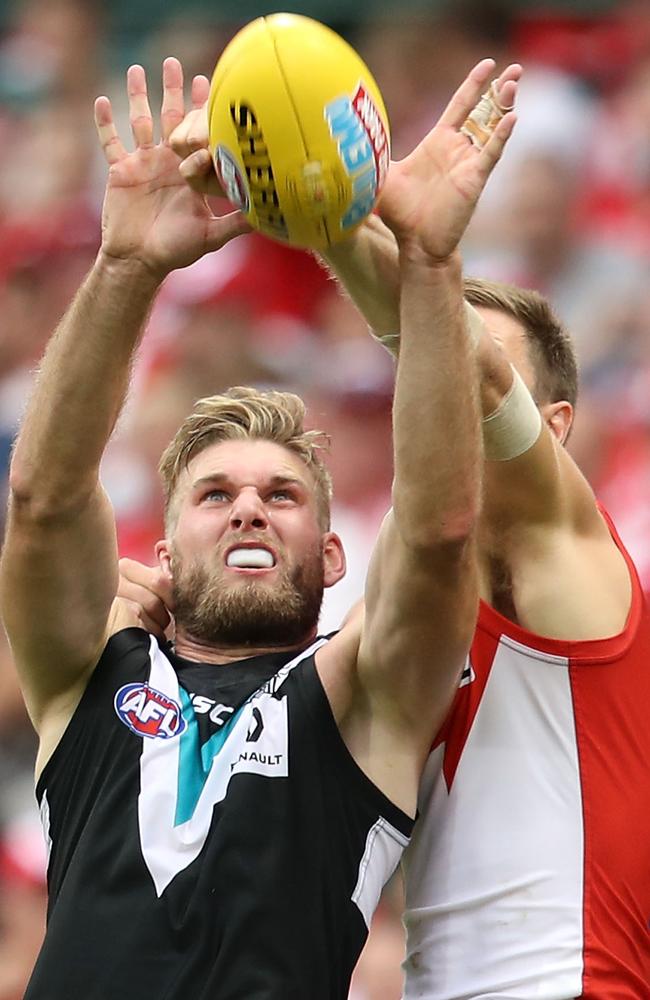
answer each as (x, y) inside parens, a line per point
(191, 648)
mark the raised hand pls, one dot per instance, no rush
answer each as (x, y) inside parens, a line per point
(190, 141)
(150, 214)
(429, 196)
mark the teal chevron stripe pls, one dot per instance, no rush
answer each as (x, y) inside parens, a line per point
(194, 760)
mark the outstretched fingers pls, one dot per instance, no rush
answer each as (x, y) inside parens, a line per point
(139, 111)
(490, 154)
(109, 140)
(172, 110)
(194, 135)
(497, 100)
(505, 92)
(200, 91)
(467, 95)
(506, 85)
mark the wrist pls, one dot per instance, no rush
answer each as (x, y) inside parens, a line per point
(345, 250)
(413, 257)
(130, 271)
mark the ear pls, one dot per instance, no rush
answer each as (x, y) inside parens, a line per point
(164, 557)
(334, 565)
(559, 418)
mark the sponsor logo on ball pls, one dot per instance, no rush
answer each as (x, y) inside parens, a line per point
(259, 171)
(368, 112)
(149, 713)
(231, 178)
(355, 123)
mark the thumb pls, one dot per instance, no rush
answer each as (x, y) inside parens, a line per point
(162, 587)
(223, 228)
(197, 170)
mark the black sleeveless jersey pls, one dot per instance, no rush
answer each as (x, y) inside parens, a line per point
(211, 837)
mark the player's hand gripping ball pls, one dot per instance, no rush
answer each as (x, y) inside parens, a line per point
(298, 131)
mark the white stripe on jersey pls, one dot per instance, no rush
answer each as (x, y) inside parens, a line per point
(486, 911)
(168, 847)
(45, 822)
(384, 847)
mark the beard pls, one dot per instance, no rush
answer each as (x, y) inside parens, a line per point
(249, 613)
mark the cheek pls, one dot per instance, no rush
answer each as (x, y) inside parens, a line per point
(197, 532)
(309, 543)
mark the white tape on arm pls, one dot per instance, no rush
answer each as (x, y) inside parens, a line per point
(515, 425)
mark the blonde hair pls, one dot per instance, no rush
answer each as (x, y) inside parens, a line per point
(242, 414)
(551, 350)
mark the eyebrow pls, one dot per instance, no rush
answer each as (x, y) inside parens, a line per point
(214, 479)
(287, 481)
(220, 478)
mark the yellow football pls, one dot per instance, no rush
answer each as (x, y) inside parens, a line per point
(298, 130)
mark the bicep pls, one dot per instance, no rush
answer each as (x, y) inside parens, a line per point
(420, 614)
(543, 487)
(58, 577)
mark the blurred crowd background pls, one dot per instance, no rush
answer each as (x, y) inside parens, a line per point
(567, 212)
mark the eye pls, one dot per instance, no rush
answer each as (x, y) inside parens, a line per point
(219, 496)
(279, 495)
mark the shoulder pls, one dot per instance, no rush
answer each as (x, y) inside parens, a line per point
(125, 657)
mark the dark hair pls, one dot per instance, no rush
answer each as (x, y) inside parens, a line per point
(552, 353)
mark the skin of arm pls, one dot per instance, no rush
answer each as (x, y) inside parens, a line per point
(564, 575)
(539, 511)
(59, 564)
(421, 594)
(58, 574)
(391, 671)
(367, 265)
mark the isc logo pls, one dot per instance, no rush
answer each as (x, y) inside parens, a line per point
(147, 712)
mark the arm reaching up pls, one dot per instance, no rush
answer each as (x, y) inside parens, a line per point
(421, 594)
(366, 264)
(58, 574)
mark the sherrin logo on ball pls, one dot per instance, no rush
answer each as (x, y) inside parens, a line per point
(298, 131)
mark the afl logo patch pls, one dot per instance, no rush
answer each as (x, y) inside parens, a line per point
(231, 179)
(149, 713)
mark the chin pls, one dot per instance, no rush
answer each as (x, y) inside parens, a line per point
(275, 608)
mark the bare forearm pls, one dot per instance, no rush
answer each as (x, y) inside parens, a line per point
(367, 266)
(82, 384)
(438, 472)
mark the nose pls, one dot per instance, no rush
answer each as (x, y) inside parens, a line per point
(247, 511)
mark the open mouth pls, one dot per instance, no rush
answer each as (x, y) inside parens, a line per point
(250, 558)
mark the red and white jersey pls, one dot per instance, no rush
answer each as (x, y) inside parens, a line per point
(528, 876)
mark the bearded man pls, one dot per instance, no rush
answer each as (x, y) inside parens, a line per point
(222, 815)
